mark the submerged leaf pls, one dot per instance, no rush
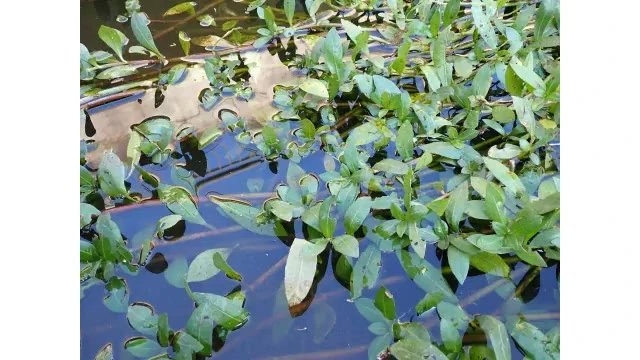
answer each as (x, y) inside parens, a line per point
(203, 268)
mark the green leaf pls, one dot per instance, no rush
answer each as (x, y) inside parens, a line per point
(176, 273)
(220, 262)
(208, 137)
(165, 223)
(365, 271)
(315, 87)
(163, 330)
(379, 344)
(414, 349)
(528, 76)
(114, 38)
(223, 311)
(88, 252)
(400, 62)
(185, 42)
(111, 175)
(525, 114)
(333, 53)
(482, 80)
(426, 276)
(142, 318)
(106, 353)
(404, 140)
(504, 175)
(117, 72)
(118, 298)
(326, 222)
(289, 10)
(188, 345)
(356, 214)
(346, 245)
(509, 151)
(86, 212)
(533, 341)
(156, 134)
(494, 204)
(369, 311)
(443, 149)
(187, 7)
(179, 201)
(459, 262)
(457, 204)
(203, 267)
(450, 12)
(497, 334)
(300, 269)
(490, 263)
(384, 302)
(503, 114)
(462, 65)
(141, 347)
(391, 166)
(429, 301)
(483, 24)
(142, 33)
(450, 336)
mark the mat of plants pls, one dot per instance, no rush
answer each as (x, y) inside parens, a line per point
(320, 179)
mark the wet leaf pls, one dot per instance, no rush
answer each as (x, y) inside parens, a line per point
(483, 24)
(379, 344)
(346, 244)
(203, 267)
(106, 353)
(208, 137)
(429, 301)
(461, 64)
(142, 33)
(111, 175)
(289, 10)
(300, 270)
(315, 87)
(141, 347)
(117, 72)
(165, 223)
(333, 53)
(385, 303)
(356, 214)
(490, 263)
(414, 349)
(365, 271)
(220, 262)
(185, 42)
(404, 140)
(114, 38)
(86, 212)
(459, 262)
(225, 312)
(457, 203)
(504, 175)
(391, 166)
(450, 336)
(180, 202)
(509, 151)
(118, 298)
(142, 318)
(533, 341)
(176, 273)
(425, 275)
(497, 334)
(163, 330)
(187, 7)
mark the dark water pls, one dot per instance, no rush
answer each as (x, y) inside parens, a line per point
(271, 333)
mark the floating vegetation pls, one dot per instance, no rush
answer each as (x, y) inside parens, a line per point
(391, 134)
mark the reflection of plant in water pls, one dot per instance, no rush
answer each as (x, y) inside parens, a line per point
(468, 86)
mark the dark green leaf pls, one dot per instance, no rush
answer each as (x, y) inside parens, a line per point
(490, 263)
(429, 301)
(220, 262)
(450, 12)
(187, 7)
(384, 302)
(163, 330)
